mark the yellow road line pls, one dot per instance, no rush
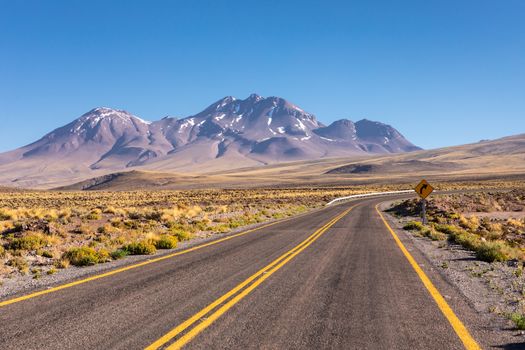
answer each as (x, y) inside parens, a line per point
(460, 329)
(130, 267)
(262, 275)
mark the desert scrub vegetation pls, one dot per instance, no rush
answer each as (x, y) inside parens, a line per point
(53, 230)
(50, 230)
(85, 256)
(491, 224)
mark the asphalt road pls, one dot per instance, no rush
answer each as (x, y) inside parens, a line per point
(347, 287)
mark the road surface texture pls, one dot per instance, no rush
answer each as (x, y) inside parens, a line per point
(344, 286)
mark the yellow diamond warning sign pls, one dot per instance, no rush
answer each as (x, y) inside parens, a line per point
(424, 189)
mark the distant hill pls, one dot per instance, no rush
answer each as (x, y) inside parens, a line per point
(230, 133)
(503, 155)
(487, 160)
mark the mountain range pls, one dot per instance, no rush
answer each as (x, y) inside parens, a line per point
(230, 133)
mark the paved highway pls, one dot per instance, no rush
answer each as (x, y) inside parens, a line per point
(336, 278)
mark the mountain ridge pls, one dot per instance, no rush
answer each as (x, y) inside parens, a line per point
(229, 133)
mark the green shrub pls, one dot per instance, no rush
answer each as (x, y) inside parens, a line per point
(30, 241)
(181, 235)
(166, 242)
(448, 229)
(413, 225)
(519, 320)
(119, 254)
(47, 254)
(467, 240)
(103, 255)
(433, 234)
(491, 251)
(83, 256)
(140, 248)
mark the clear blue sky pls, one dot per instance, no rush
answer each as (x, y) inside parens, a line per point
(443, 72)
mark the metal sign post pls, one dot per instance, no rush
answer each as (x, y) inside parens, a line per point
(424, 211)
(424, 189)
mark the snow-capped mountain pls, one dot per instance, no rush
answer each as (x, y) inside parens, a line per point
(229, 133)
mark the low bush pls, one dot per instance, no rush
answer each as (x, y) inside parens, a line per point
(30, 241)
(119, 254)
(467, 240)
(519, 320)
(95, 214)
(491, 251)
(47, 254)
(83, 256)
(166, 242)
(62, 263)
(471, 223)
(433, 234)
(413, 225)
(140, 248)
(19, 263)
(182, 235)
(448, 229)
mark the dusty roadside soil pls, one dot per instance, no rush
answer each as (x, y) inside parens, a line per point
(495, 290)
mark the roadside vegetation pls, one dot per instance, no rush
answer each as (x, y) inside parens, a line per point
(44, 231)
(492, 226)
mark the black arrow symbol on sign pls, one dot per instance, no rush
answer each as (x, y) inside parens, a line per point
(424, 187)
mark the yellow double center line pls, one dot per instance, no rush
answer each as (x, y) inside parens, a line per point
(231, 298)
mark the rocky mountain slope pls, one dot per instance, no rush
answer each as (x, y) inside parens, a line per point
(230, 133)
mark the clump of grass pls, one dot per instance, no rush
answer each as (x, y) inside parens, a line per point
(181, 235)
(515, 223)
(491, 251)
(119, 254)
(51, 271)
(19, 263)
(140, 248)
(448, 229)
(471, 223)
(413, 225)
(82, 230)
(166, 242)
(519, 320)
(47, 254)
(433, 234)
(8, 214)
(109, 210)
(30, 241)
(61, 263)
(467, 240)
(95, 214)
(84, 256)
(2, 251)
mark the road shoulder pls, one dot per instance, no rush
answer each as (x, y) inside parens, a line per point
(471, 300)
